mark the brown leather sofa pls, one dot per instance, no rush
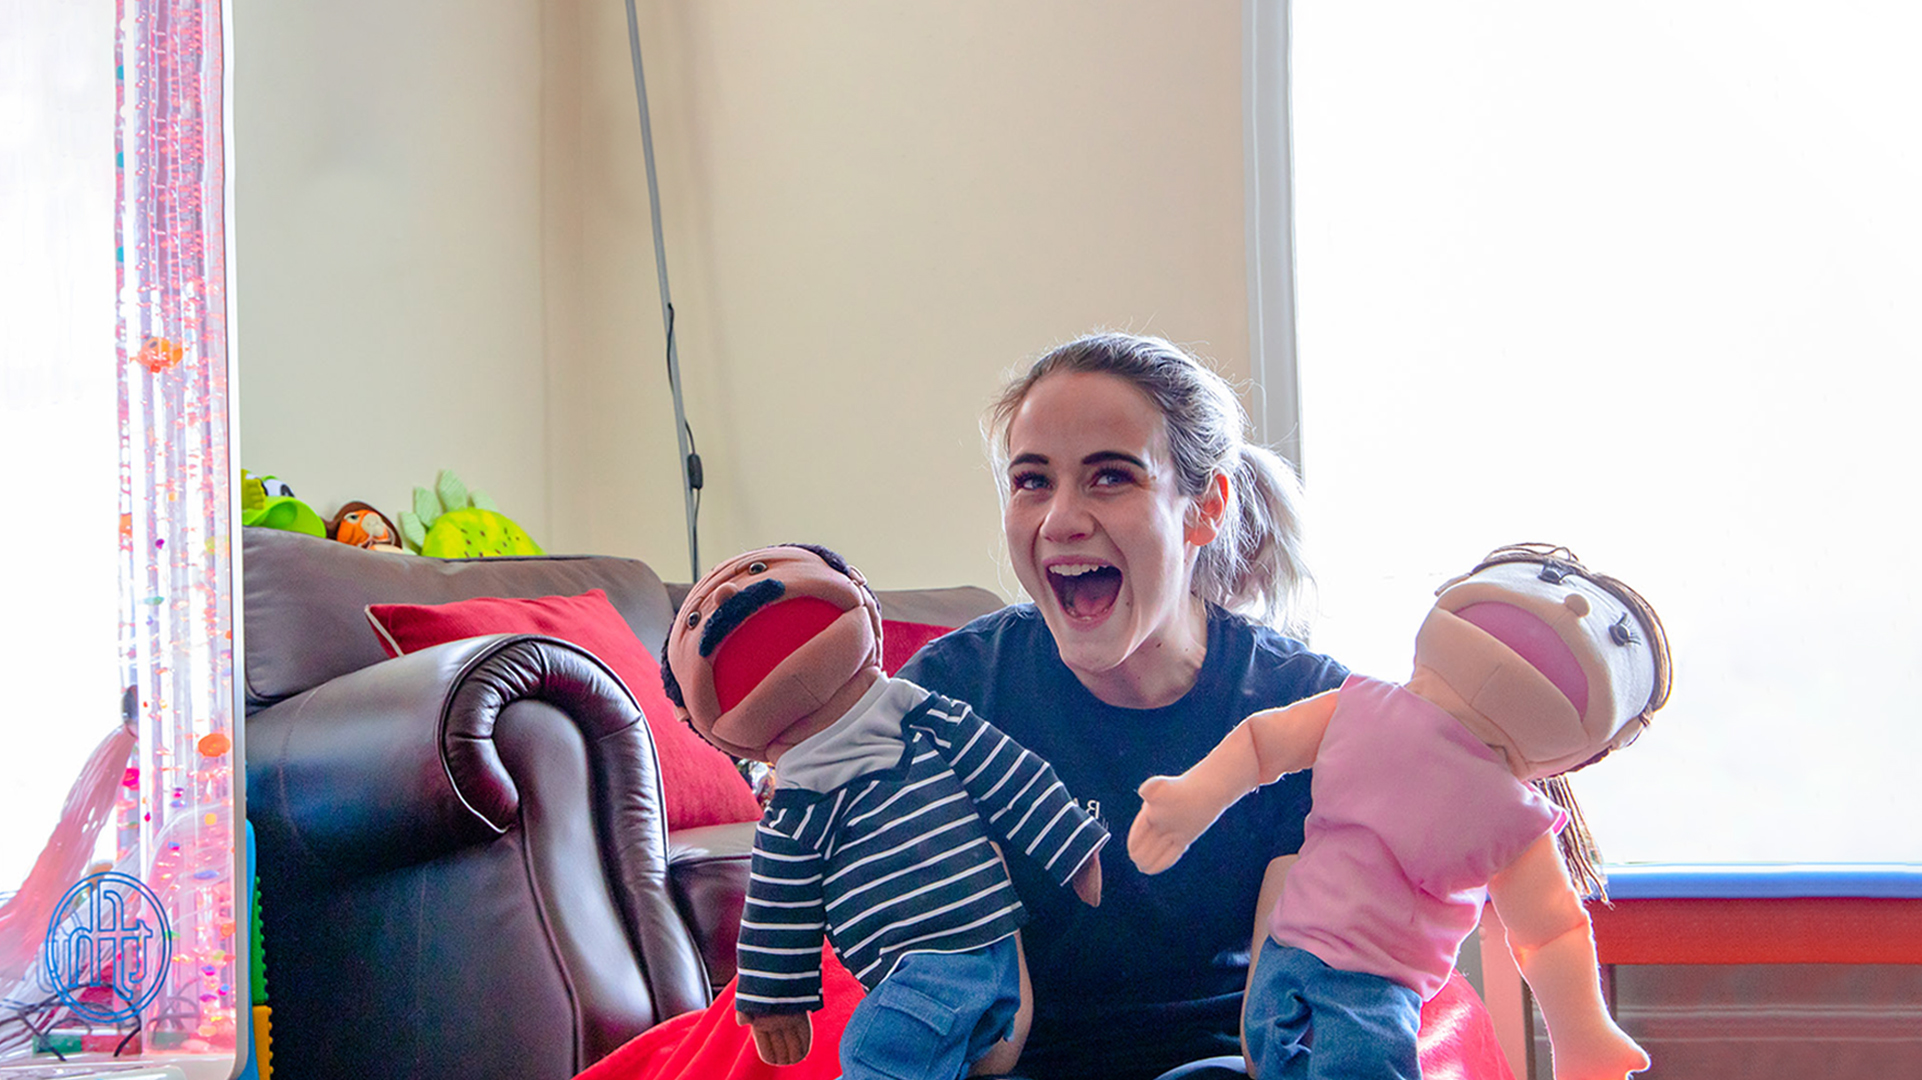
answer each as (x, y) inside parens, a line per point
(463, 864)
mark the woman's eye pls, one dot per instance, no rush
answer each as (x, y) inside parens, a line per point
(1112, 478)
(757, 568)
(1028, 481)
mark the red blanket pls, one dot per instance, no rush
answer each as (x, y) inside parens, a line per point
(708, 1045)
(1457, 1040)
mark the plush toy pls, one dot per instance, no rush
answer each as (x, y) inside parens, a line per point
(267, 501)
(881, 831)
(451, 522)
(362, 526)
(1428, 798)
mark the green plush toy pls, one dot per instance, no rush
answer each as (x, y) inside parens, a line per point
(451, 522)
(268, 501)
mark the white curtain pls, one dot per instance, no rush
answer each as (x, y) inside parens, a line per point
(1643, 280)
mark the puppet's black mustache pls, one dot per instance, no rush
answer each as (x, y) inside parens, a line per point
(735, 610)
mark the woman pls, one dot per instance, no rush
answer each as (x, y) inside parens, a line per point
(1159, 547)
(1146, 530)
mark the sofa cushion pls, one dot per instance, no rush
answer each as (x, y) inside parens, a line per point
(305, 600)
(700, 785)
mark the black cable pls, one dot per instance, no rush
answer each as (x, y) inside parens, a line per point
(695, 476)
(129, 1036)
(24, 1017)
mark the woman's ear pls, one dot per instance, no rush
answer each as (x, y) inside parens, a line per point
(1205, 514)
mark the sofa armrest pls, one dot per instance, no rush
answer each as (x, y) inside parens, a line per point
(488, 810)
(708, 867)
(395, 764)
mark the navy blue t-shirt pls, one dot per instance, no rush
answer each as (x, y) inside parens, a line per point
(1153, 977)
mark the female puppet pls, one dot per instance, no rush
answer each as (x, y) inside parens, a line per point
(1426, 800)
(880, 831)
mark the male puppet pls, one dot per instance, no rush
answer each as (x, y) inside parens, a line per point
(880, 830)
(1527, 667)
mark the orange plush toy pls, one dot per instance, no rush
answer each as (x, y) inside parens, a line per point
(1429, 797)
(363, 526)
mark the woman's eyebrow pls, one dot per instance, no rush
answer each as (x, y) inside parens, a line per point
(1028, 459)
(1101, 456)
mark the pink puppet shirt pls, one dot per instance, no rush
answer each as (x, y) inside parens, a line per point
(1412, 815)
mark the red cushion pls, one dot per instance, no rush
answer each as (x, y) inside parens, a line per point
(700, 783)
(1457, 1039)
(900, 640)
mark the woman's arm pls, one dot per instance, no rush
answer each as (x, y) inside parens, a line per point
(1260, 750)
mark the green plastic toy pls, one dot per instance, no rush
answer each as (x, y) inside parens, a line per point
(451, 522)
(268, 501)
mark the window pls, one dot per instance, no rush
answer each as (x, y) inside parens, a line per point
(1644, 281)
(129, 935)
(57, 430)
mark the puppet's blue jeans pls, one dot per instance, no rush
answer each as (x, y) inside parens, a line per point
(933, 1015)
(1306, 1020)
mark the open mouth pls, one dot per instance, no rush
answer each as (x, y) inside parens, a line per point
(1535, 642)
(1085, 590)
(765, 638)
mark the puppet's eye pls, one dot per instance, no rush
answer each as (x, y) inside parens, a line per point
(1620, 633)
(693, 619)
(757, 568)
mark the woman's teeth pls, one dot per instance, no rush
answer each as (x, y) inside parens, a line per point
(1085, 590)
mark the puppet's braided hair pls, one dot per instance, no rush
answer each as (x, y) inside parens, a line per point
(1580, 854)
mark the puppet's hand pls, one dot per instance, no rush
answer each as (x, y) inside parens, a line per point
(1600, 1051)
(1087, 880)
(1553, 944)
(1174, 811)
(1260, 750)
(780, 1038)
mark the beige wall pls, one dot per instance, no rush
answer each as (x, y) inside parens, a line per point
(387, 223)
(872, 211)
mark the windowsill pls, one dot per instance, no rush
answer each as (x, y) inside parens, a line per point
(1764, 881)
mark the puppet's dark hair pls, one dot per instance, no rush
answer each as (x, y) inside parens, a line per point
(669, 683)
(829, 556)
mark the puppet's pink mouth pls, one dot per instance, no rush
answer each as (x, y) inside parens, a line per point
(1537, 643)
(1085, 590)
(762, 641)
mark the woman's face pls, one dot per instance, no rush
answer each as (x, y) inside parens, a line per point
(1099, 533)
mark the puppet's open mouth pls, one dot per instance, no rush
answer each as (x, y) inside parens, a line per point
(1085, 590)
(1536, 642)
(764, 639)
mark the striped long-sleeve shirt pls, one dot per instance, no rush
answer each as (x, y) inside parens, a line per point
(898, 860)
